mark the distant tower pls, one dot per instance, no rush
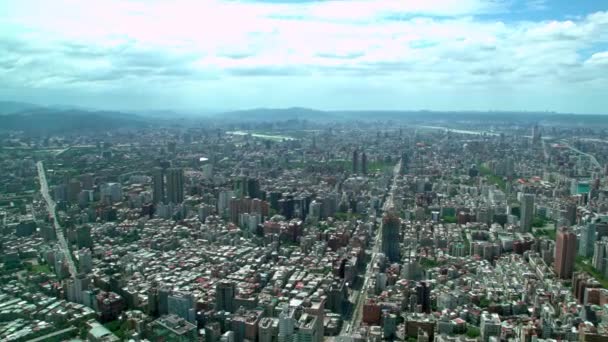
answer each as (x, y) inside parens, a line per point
(391, 224)
(175, 185)
(565, 252)
(535, 135)
(171, 147)
(355, 161)
(158, 185)
(224, 296)
(364, 163)
(527, 212)
(404, 162)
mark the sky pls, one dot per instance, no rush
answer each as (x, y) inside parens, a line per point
(201, 55)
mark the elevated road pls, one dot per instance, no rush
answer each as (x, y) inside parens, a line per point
(51, 207)
(588, 155)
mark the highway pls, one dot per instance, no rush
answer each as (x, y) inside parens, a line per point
(361, 296)
(51, 207)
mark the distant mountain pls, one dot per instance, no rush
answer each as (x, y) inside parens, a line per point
(11, 107)
(43, 120)
(273, 114)
(281, 114)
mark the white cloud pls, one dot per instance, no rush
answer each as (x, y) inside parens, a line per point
(210, 45)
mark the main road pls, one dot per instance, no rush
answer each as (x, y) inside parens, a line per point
(51, 207)
(361, 296)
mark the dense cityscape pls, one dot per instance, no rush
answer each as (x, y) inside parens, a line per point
(297, 230)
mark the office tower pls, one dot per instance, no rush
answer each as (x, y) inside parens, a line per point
(224, 296)
(355, 161)
(588, 238)
(423, 296)
(600, 256)
(489, 326)
(286, 325)
(364, 163)
(181, 305)
(73, 190)
(83, 237)
(76, 286)
(87, 181)
(235, 209)
(536, 136)
(268, 329)
(153, 304)
(163, 300)
(171, 147)
(473, 171)
(85, 261)
(60, 193)
(565, 252)
(253, 188)
(158, 185)
(314, 211)
(240, 187)
(309, 328)
(389, 321)
(527, 212)
(175, 185)
(391, 225)
(111, 192)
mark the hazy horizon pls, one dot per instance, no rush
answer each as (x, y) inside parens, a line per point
(215, 56)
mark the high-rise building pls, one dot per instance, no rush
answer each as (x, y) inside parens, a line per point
(536, 136)
(86, 179)
(83, 237)
(181, 305)
(224, 296)
(355, 161)
(175, 185)
(253, 188)
(527, 212)
(111, 192)
(240, 187)
(268, 329)
(423, 296)
(565, 252)
(73, 190)
(364, 163)
(391, 225)
(85, 261)
(158, 185)
(286, 325)
(309, 328)
(600, 256)
(171, 147)
(588, 238)
(489, 326)
(152, 309)
(404, 163)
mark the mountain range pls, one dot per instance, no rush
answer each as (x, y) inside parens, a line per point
(37, 119)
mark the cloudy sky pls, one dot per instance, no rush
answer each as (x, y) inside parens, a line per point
(351, 54)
